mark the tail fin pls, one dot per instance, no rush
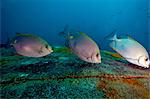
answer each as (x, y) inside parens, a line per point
(112, 35)
(64, 33)
(67, 33)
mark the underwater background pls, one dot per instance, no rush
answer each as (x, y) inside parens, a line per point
(97, 18)
(61, 74)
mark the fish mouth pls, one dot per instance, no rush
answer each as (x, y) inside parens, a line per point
(50, 50)
(99, 61)
(147, 66)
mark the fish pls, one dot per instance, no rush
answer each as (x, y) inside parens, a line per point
(131, 50)
(30, 45)
(83, 46)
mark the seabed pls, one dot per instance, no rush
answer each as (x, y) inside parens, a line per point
(62, 75)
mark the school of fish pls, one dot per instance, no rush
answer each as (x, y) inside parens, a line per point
(83, 46)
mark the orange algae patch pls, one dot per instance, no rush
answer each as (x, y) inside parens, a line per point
(114, 54)
(138, 87)
(133, 82)
(102, 85)
(110, 92)
(116, 87)
(113, 93)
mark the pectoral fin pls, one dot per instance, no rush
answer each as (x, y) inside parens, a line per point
(14, 42)
(40, 51)
(132, 59)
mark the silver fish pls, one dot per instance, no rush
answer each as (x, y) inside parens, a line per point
(31, 45)
(131, 50)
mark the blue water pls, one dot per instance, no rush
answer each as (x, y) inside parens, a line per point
(97, 18)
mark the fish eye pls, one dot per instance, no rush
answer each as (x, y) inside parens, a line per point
(46, 46)
(146, 59)
(97, 55)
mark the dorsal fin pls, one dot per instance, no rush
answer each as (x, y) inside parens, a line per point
(64, 33)
(24, 34)
(17, 33)
(129, 37)
(112, 35)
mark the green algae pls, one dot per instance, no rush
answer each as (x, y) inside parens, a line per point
(63, 75)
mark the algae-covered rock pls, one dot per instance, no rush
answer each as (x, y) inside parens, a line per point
(63, 75)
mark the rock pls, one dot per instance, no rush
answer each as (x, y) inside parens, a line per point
(63, 75)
